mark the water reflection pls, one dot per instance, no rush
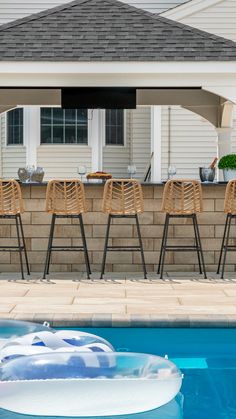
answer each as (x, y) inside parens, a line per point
(172, 410)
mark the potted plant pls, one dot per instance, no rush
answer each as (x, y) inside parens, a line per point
(228, 165)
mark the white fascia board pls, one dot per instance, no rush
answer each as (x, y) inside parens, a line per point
(186, 9)
(167, 67)
(134, 74)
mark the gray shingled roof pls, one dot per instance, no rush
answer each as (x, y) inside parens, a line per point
(107, 30)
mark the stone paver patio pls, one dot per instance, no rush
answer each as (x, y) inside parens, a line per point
(66, 300)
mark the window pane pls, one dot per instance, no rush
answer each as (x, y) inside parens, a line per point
(58, 134)
(82, 135)
(58, 116)
(46, 115)
(82, 116)
(114, 127)
(15, 127)
(70, 134)
(46, 137)
(70, 115)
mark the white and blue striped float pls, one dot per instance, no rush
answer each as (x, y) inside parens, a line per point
(73, 373)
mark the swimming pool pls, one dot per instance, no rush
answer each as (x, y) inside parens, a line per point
(207, 357)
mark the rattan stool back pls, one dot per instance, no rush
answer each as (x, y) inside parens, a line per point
(230, 198)
(11, 202)
(182, 197)
(65, 197)
(122, 197)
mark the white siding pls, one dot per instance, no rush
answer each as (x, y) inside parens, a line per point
(117, 158)
(141, 139)
(12, 157)
(15, 9)
(192, 142)
(62, 161)
(137, 149)
(219, 19)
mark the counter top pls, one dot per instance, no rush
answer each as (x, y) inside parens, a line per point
(142, 183)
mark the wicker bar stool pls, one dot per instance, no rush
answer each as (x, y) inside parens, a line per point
(66, 199)
(11, 207)
(182, 199)
(123, 198)
(230, 211)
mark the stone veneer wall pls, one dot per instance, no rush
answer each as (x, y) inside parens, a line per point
(36, 228)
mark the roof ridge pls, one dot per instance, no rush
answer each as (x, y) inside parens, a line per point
(154, 16)
(43, 13)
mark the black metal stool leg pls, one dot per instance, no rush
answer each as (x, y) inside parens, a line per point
(164, 245)
(226, 245)
(50, 249)
(105, 246)
(197, 245)
(141, 246)
(20, 247)
(24, 244)
(223, 243)
(200, 247)
(48, 256)
(86, 257)
(162, 242)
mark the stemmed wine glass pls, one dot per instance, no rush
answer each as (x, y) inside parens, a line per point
(131, 169)
(171, 171)
(82, 171)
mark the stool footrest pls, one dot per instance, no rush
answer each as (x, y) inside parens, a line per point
(123, 248)
(11, 248)
(66, 248)
(182, 248)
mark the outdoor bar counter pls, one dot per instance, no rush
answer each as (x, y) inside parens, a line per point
(37, 222)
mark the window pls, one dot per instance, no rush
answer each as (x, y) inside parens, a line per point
(15, 127)
(64, 126)
(114, 123)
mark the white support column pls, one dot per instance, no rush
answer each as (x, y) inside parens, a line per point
(31, 133)
(156, 143)
(95, 139)
(224, 143)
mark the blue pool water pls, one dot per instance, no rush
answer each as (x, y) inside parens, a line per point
(207, 357)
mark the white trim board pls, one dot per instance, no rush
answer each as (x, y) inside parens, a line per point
(189, 8)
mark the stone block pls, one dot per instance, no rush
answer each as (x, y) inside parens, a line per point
(209, 205)
(219, 204)
(115, 231)
(70, 231)
(188, 231)
(35, 204)
(94, 191)
(153, 231)
(113, 257)
(97, 205)
(38, 192)
(210, 191)
(32, 231)
(25, 191)
(95, 218)
(208, 218)
(152, 204)
(148, 192)
(158, 192)
(39, 244)
(41, 218)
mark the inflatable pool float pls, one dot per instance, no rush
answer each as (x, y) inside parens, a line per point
(13, 328)
(73, 373)
(87, 384)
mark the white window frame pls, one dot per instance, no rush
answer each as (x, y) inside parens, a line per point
(113, 146)
(65, 144)
(6, 128)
